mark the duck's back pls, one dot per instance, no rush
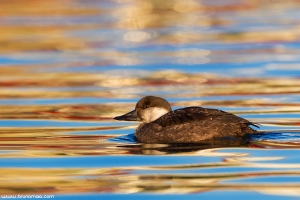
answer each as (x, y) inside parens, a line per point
(193, 124)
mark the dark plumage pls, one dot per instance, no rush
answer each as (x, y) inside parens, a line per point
(185, 125)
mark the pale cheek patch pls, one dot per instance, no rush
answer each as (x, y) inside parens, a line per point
(152, 114)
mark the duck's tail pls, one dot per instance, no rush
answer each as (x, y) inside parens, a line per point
(248, 130)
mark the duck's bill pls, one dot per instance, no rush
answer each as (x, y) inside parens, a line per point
(131, 116)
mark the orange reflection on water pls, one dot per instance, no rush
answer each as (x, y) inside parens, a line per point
(202, 84)
(49, 47)
(126, 180)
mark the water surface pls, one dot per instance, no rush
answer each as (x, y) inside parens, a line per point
(68, 67)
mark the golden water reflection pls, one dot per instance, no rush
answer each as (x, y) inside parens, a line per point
(68, 67)
(111, 85)
(61, 142)
(126, 180)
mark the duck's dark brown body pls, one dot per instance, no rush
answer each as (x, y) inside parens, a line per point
(193, 124)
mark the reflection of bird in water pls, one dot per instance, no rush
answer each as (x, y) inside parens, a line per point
(186, 125)
(174, 148)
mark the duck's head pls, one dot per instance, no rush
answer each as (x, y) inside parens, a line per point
(147, 109)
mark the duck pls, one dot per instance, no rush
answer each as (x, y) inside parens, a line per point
(161, 124)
